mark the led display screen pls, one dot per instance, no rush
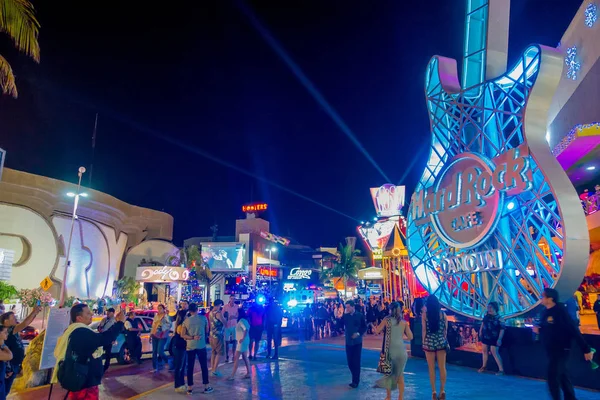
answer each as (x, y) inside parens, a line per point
(224, 257)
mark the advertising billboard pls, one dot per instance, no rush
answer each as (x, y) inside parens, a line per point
(376, 235)
(224, 257)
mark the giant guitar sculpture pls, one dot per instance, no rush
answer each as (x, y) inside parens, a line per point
(494, 217)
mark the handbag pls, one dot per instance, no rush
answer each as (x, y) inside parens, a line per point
(384, 366)
(72, 375)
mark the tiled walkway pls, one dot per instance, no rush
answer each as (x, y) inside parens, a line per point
(317, 370)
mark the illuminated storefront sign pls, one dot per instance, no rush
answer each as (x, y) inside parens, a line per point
(388, 199)
(377, 254)
(274, 238)
(464, 203)
(254, 207)
(299, 273)
(268, 272)
(161, 274)
(372, 273)
(494, 217)
(377, 234)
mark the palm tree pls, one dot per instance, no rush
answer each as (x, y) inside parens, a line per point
(347, 266)
(128, 289)
(18, 21)
(191, 257)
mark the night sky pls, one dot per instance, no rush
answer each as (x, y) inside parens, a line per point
(190, 94)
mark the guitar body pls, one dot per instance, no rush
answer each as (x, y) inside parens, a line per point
(494, 216)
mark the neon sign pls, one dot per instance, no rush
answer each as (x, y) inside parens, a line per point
(161, 274)
(388, 200)
(268, 272)
(274, 238)
(289, 287)
(299, 273)
(463, 203)
(254, 207)
(472, 263)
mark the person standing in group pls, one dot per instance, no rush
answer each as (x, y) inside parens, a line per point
(557, 332)
(106, 323)
(355, 327)
(491, 334)
(194, 330)
(5, 356)
(217, 345)
(132, 337)
(395, 329)
(242, 335)
(273, 317)
(435, 342)
(230, 312)
(257, 321)
(15, 343)
(597, 311)
(179, 350)
(161, 325)
(86, 346)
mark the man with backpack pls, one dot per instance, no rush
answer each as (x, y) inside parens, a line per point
(79, 351)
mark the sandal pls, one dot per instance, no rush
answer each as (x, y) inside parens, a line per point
(434, 396)
(480, 370)
(443, 396)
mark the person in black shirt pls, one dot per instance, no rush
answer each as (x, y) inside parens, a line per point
(15, 343)
(273, 318)
(557, 332)
(355, 327)
(134, 343)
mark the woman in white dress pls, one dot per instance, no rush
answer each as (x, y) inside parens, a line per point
(242, 336)
(398, 355)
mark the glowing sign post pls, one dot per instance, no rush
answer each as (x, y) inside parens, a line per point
(494, 216)
(388, 200)
(254, 208)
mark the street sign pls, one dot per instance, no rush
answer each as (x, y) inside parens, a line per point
(46, 283)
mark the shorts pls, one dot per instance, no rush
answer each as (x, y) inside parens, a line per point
(230, 334)
(256, 332)
(217, 345)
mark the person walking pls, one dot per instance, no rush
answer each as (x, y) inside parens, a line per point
(217, 338)
(256, 316)
(355, 327)
(242, 335)
(557, 332)
(194, 330)
(435, 342)
(395, 329)
(230, 313)
(106, 323)
(179, 350)
(597, 311)
(158, 334)
(491, 334)
(15, 343)
(132, 337)
(274, 316)
(86, 346)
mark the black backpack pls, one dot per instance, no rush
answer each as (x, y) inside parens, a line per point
(72, 374)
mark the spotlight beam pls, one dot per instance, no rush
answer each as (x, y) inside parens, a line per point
(307, 83)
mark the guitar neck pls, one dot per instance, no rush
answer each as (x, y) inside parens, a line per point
(486, 43)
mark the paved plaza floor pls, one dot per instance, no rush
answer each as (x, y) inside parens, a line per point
(317, 370)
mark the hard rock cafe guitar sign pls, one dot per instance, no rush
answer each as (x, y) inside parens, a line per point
(494, 216)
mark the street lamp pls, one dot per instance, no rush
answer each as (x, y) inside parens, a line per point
(271, 250)
(75, 195)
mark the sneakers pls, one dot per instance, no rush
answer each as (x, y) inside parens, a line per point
(208, 390)
(181, 389)
(216, 373)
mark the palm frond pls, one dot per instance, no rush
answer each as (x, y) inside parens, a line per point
(7, 79)
(17, 20)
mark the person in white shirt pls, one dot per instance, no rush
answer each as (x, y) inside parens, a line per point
(230, 312)
(242, 335)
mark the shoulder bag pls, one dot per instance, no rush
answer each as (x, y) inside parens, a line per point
(72, 374)
(385, 365)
